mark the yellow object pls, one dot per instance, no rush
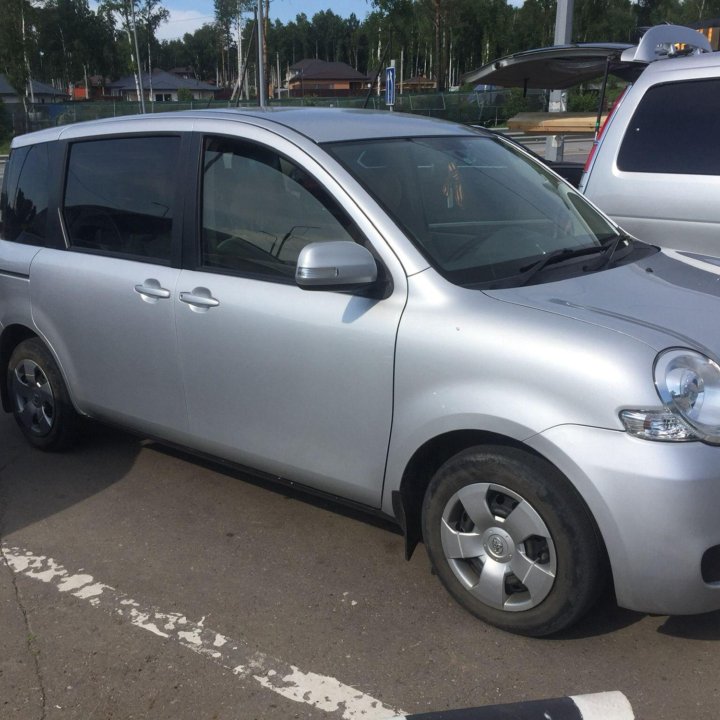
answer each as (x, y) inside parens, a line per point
(554, 123)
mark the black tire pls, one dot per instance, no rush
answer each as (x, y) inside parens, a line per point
(533, 573)
(40, 401)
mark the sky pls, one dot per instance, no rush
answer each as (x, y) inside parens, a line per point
(186, 16)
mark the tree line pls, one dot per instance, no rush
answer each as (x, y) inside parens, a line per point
(65, 41)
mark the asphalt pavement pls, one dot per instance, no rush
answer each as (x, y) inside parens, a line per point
(139, 582)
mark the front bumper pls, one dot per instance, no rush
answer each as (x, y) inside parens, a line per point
(657, 506)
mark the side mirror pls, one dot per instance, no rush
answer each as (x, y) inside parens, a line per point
(337, 265)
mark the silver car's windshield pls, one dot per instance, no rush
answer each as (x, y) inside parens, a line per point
(478, 209)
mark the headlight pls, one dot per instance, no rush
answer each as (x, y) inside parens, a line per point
(689, 386)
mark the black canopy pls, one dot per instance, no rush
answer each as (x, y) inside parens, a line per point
(556, 68)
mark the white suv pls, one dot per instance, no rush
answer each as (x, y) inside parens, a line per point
(656, 166)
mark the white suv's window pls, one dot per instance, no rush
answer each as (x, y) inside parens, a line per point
(674, 130)
(119, 196)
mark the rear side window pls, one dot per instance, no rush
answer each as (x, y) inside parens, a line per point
(674, 130)
(119, 196)
(25, 202)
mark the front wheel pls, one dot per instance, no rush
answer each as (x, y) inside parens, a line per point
(512, 541)
(40, 401)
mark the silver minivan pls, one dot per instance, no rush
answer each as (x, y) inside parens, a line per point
(410, 316)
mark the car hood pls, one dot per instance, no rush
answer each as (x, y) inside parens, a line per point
(667, 299)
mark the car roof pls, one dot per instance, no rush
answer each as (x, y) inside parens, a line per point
(317, 124)
(690, 63)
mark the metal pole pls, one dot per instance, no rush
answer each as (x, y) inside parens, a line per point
(603, 90)
(558, 98)
(392, 107)
(262, 90)
(564, 21)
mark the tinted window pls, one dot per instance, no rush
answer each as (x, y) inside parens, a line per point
(259, 210)
(26, 203)
(474, 206)
(119, 196)
(674, 130)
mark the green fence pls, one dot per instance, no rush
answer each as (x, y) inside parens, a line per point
(487, 108)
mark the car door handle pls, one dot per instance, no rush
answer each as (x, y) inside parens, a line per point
(200, 298)
(151, 288)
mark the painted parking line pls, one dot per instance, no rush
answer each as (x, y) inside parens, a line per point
(320, 691)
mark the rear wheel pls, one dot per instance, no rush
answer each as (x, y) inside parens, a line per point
(40, 401)
(512, 541)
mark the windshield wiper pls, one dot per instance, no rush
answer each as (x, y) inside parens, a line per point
(610, 253)
(528, 272)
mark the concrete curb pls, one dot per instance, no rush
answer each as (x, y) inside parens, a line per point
(597, 706)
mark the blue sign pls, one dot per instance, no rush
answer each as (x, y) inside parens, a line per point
(390, 86)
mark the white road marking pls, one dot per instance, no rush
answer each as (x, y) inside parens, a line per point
(604, 706)
(320, 691)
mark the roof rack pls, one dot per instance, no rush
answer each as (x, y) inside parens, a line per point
(663, 41)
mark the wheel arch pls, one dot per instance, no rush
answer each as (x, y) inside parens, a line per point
(425, 462)
(428, 458)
